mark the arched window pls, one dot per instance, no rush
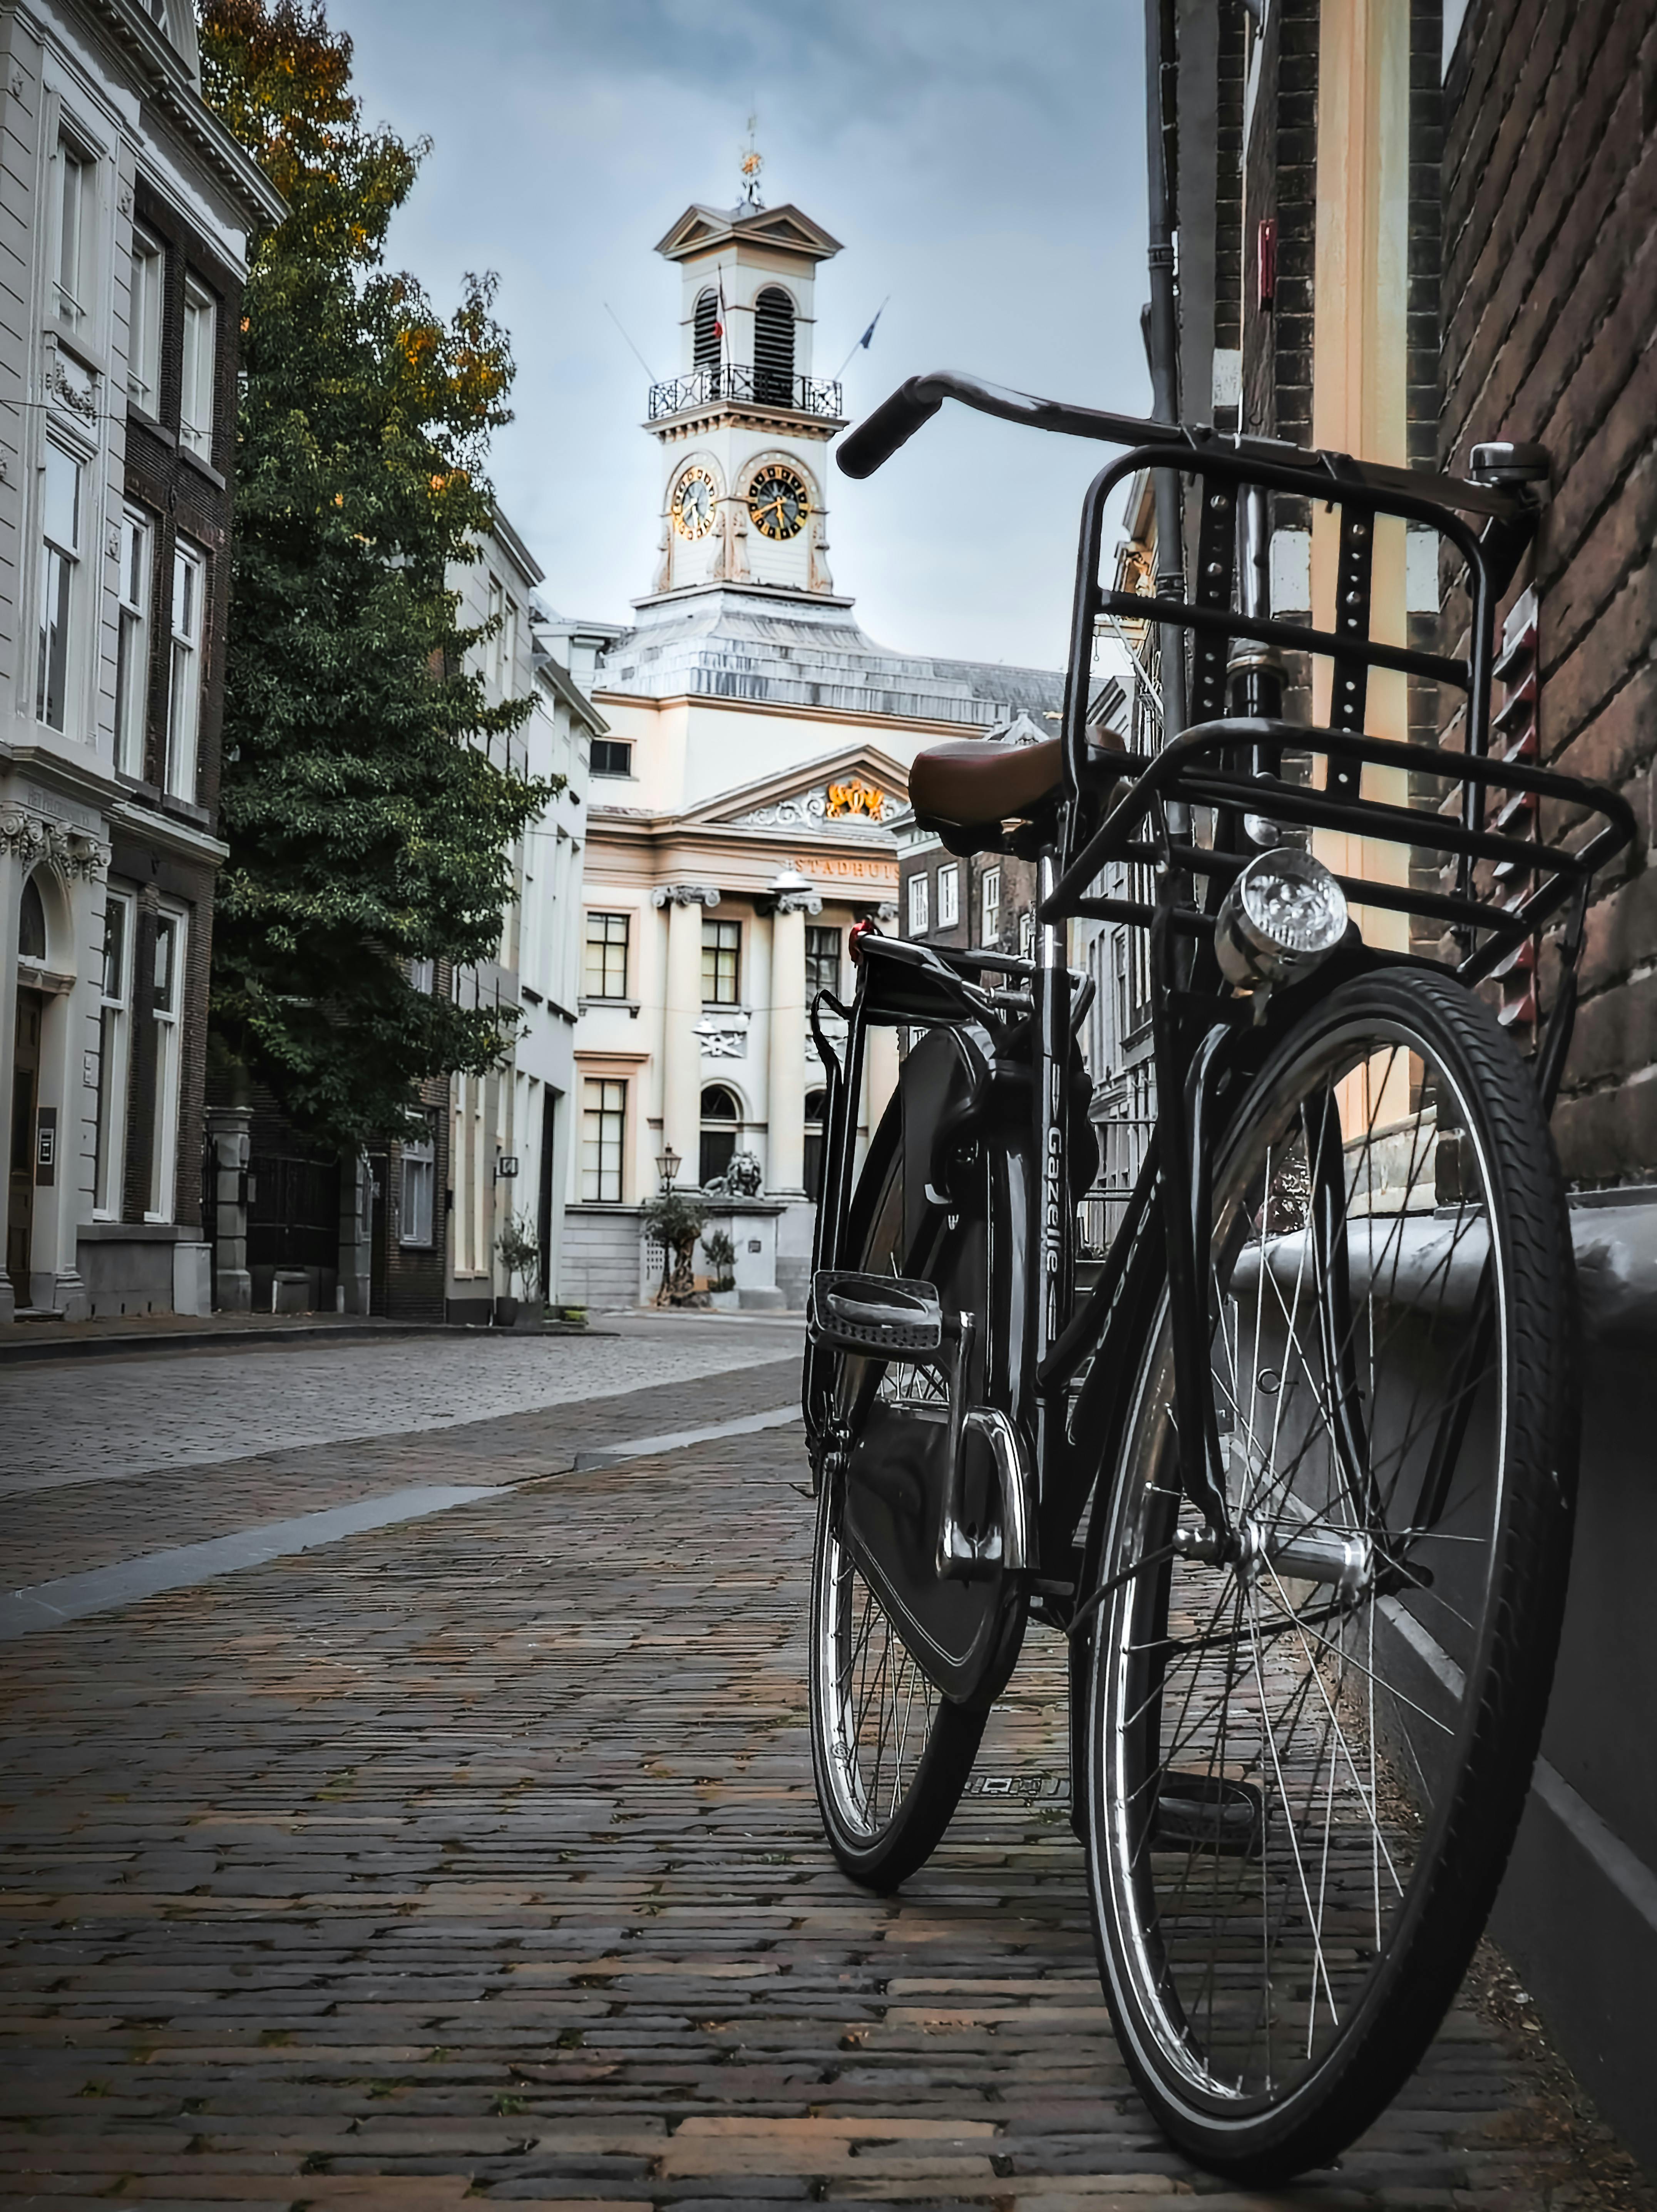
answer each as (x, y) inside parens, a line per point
(704, 332)
(816, 1112)
(31, 923)
(720, 1116)
(773, 347)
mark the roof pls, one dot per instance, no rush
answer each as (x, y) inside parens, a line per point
(729, 643)
(785, 229)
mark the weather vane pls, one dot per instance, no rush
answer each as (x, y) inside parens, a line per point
(752, 162)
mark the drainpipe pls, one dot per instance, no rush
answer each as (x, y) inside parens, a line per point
(1162, 345)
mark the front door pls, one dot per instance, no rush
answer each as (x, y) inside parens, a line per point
(24, 1087)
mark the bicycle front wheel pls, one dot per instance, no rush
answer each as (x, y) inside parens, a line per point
(1307, 1761)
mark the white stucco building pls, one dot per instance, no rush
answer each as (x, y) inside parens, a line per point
(758, 743)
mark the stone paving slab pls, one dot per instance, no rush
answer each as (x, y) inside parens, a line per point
(477, 1859)
(194, 1409)
(68, 1529)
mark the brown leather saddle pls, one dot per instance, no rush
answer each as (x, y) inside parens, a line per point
(975, 784)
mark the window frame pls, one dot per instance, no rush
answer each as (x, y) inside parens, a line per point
(145, 314)
(949, 894)
(114, 1058)
(919, 900)
(611, 746)
(819, 958)
(604, 1154)
(722, 946)
(419, 1153)
(167, 1015)
(606, 946)
(74, 233)
(197, 368)
(989, 906)
(186, 653)
(59, 583)
(135, 595)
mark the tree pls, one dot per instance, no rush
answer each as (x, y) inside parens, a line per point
(367, 823)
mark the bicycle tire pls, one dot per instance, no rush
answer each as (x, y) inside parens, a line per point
(1302, 1788)
(884, 1803)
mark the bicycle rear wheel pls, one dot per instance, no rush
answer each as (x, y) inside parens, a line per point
(1306, 1763)
(891, 1754)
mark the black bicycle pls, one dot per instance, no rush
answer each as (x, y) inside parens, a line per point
(1296, 1475)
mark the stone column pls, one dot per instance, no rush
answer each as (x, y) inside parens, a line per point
(681, 1050)
(228, 1132)
(785, 1176)
(880, 1061)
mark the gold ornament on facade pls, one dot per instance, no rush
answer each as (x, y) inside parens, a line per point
(856, 797)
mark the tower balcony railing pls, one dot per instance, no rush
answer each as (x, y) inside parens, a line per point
(760, 387)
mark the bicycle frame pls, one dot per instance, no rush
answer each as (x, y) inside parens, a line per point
(1143, 808)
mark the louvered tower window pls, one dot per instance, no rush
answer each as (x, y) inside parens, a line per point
(706, 333)
(773, 347)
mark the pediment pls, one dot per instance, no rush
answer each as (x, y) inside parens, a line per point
(785, 229)
(855, 792)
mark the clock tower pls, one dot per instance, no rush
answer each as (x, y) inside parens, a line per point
(744, 426)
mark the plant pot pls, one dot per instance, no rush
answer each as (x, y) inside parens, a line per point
(531, 1314)
(724, 1301)
(506, 1312)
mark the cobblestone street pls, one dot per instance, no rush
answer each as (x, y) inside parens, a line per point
(476, 1856)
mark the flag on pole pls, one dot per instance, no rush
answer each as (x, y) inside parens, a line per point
(867, 335)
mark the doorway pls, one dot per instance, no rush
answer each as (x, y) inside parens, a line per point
(25, 1095)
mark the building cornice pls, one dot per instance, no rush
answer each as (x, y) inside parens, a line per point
(847, 718)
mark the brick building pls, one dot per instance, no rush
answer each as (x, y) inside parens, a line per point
(1441, 231)
(129, 209)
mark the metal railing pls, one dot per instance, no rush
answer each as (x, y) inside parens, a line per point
(1122, 1142)
(760, 387)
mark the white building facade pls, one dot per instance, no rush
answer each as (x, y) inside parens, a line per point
(127, 211)
(510, 1130)
(757, 748)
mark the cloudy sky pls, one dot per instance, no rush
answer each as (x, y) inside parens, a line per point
(981, 162)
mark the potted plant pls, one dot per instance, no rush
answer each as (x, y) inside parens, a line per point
(521, 1255)
(675, 1223)
(721, 1256)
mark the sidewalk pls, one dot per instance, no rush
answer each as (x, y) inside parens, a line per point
(476, 1859)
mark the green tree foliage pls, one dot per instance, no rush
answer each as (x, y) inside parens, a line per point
(368, 816)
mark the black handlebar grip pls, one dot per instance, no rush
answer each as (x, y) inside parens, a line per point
(893, 424)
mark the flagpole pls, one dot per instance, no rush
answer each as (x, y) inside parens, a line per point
(865, 339)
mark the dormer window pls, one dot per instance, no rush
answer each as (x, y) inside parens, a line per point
(773, 347)
(704, 332)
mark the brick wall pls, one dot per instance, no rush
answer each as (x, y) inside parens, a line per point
(1549, 302)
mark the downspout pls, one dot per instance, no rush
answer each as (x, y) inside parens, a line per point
(1162, 346)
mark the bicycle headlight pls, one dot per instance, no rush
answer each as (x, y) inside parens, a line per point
(1284, 915)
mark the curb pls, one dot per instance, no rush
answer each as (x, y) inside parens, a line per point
(199, 1339)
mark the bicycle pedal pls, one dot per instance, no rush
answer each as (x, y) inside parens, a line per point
(1205, 1812)
(874, 1314)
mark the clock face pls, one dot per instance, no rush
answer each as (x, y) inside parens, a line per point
(779, 501)
(693, 504)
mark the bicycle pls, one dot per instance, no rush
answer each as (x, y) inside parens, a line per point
(1296, 1475)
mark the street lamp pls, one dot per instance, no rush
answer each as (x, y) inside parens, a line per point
(667, 1166)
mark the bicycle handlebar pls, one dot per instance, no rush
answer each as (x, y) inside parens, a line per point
(895, 420)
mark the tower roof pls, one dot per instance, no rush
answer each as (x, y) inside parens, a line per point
(783, 230)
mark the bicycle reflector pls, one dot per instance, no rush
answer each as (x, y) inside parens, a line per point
(1284, 915)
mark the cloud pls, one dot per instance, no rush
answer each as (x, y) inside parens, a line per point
(983, 164)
